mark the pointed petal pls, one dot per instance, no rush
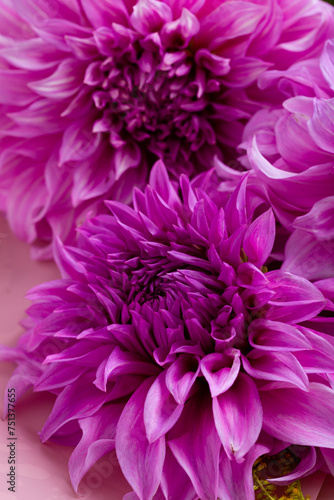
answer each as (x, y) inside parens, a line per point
(121, 363)
(140, 461)
(150, 15)
(304, 468)
(33, 55)
(300, 417)
(161, 411)
(78, 400)
(63, 83)
(259, 238)
(197, 449)
(238, 417)
(234, 474)
(276, 366)
(181, 376)
(295, 299)
(221, 370)
(105, 12)
(174, 482)
(308, 257)
(275, 336)
(98, 438)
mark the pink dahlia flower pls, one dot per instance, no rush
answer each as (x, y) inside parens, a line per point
(309, 251)
(94, 92)
(169, 339)
(290, 148)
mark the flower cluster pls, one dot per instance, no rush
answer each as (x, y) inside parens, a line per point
(93, 93)
(175, 158)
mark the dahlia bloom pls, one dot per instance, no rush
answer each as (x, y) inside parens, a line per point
(309, 251)
(169, 340)
(290, 148)
(94, 92)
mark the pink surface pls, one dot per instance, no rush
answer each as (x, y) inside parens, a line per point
(42, 472)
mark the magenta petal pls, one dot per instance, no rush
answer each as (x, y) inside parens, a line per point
(259, 238)
(275, 336)
(174, 482)
(79, 400)
(328, 455)
(161, 411)
(28, 198)
(32, 54)
(300, 417)
(221, 370)
(126, 157)
(277, 366)
(316, 362)
(98, 438)
(304, 468)
(78, 143)
(221, 24)
(14, 87)
(236, 482)
(319, 220)
(295, 300)
(308, 257)
(121, 363)
(141, 461)
(105, 12)
(327, 62)
(238, 417)
(235, 210)
(197, 449)
(150, 15)
(181, 376)
(185, 27)
(64, 82)
(35, 13)
(321, 124)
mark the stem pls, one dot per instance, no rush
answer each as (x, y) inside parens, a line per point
(263, 489)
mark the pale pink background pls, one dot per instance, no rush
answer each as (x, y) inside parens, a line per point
(42, 472)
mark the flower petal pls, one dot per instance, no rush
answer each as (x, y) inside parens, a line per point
(295, 300)
(238, 417)
(300, 417)
(276, 366)
(308, 257)
(98, 438)
(197, 449)
(141, 461)
(181, 376)
(78, 400)
(221, 370)
(149, 16)
(63, 83)
(259, 238)
(105, 12)
(275, 336)
(161, 411)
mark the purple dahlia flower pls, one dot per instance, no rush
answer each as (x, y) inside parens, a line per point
(169, 339)
(290, 148)
(309, 251)
(94, 92)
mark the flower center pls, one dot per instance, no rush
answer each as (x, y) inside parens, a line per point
(164, 99)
